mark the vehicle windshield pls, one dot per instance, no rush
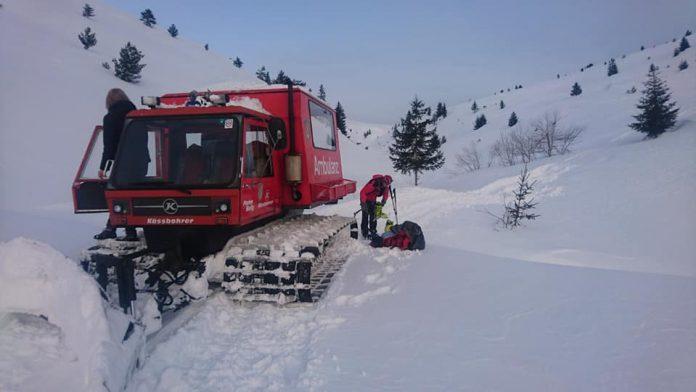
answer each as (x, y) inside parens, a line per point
(178, 153)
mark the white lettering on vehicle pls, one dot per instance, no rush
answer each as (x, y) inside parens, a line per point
(266, 204)
(248, 205)
(324, 168)
(169, 221)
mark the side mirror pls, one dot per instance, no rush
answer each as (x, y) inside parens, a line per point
(277, 133)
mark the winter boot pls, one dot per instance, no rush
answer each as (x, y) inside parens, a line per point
(107, 233)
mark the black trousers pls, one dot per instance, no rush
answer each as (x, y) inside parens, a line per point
(368, 223)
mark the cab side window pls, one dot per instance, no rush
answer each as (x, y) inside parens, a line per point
(257, 154)
(322, 127)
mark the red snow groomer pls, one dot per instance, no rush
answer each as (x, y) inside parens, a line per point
(196, 171)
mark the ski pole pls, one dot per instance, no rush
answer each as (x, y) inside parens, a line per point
(393, 195)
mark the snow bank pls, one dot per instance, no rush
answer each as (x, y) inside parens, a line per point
(83, 337)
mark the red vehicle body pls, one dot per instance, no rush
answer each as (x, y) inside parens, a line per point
(214, 170)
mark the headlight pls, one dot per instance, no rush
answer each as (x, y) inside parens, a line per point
(150, 101)
(119, 208)
(224, 207)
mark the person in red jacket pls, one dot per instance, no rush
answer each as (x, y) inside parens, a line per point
(378, 186)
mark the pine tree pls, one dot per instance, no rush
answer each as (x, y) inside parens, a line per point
(206, 46)
(522, 205)
(575, 90)
(688, 33)
(238, 62)
(173, 31)
(440, 112)
(653, 67)
(683, 65)
(642, 48)
(88, 38)
(87, 11)
(480, 121)
(502, 104)
(341, 119)
(416, 147)
(612, 69)
(684, 44)
(128, 67)
(658, 114)
(282, 78)
(474, 107)
(262, 74)
(322, 92)
(676, 52)
(148, 18)
(512, 120)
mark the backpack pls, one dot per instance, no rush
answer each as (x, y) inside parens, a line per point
(415, 232)
(406, 236)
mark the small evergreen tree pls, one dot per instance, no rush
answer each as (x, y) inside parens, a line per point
(88, 38)
(128, 67)
(416, 147)
(322, 93)
(683, 65)
(341, 119)
(474, 107)
(558, 76)
(522, 205)
(480, 121)
(87, 11)
(148, 18)
(238, 62)
(440, 112)
(575, 90)
(173, 31)
(657, 114)
(684, 44)
(612, 69)
(688, 33)
(653, 67)
(206, 47)
(512, 120)
(502, 104)
(282, 78)
(262, 74)
(642, 48)
(676, 52)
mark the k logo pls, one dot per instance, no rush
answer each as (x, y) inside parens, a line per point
(170, 206)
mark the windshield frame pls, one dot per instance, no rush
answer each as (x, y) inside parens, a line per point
(165, 183)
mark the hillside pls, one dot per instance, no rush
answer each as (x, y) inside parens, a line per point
(54, 90)
(615, 201)
(597, 294)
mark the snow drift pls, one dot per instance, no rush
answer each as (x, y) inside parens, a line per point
(83, 345)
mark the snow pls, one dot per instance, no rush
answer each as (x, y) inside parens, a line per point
(599, 293)
(73, 341)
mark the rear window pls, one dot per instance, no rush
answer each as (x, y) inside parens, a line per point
(322, 127)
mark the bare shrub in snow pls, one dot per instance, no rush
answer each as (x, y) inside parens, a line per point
(106, 65)
(552, 139)
(469, 158)
(503, 151)
(524, 144)
(521, 207)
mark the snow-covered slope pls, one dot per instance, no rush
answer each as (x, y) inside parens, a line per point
(53, 91)
(480, 309)
(616, 201)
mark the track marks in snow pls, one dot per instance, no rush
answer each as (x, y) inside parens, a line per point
(235, 346)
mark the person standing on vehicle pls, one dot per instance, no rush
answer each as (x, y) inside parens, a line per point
(118, 105)
(378, 186)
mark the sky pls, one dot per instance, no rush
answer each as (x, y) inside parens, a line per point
(375, 56)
